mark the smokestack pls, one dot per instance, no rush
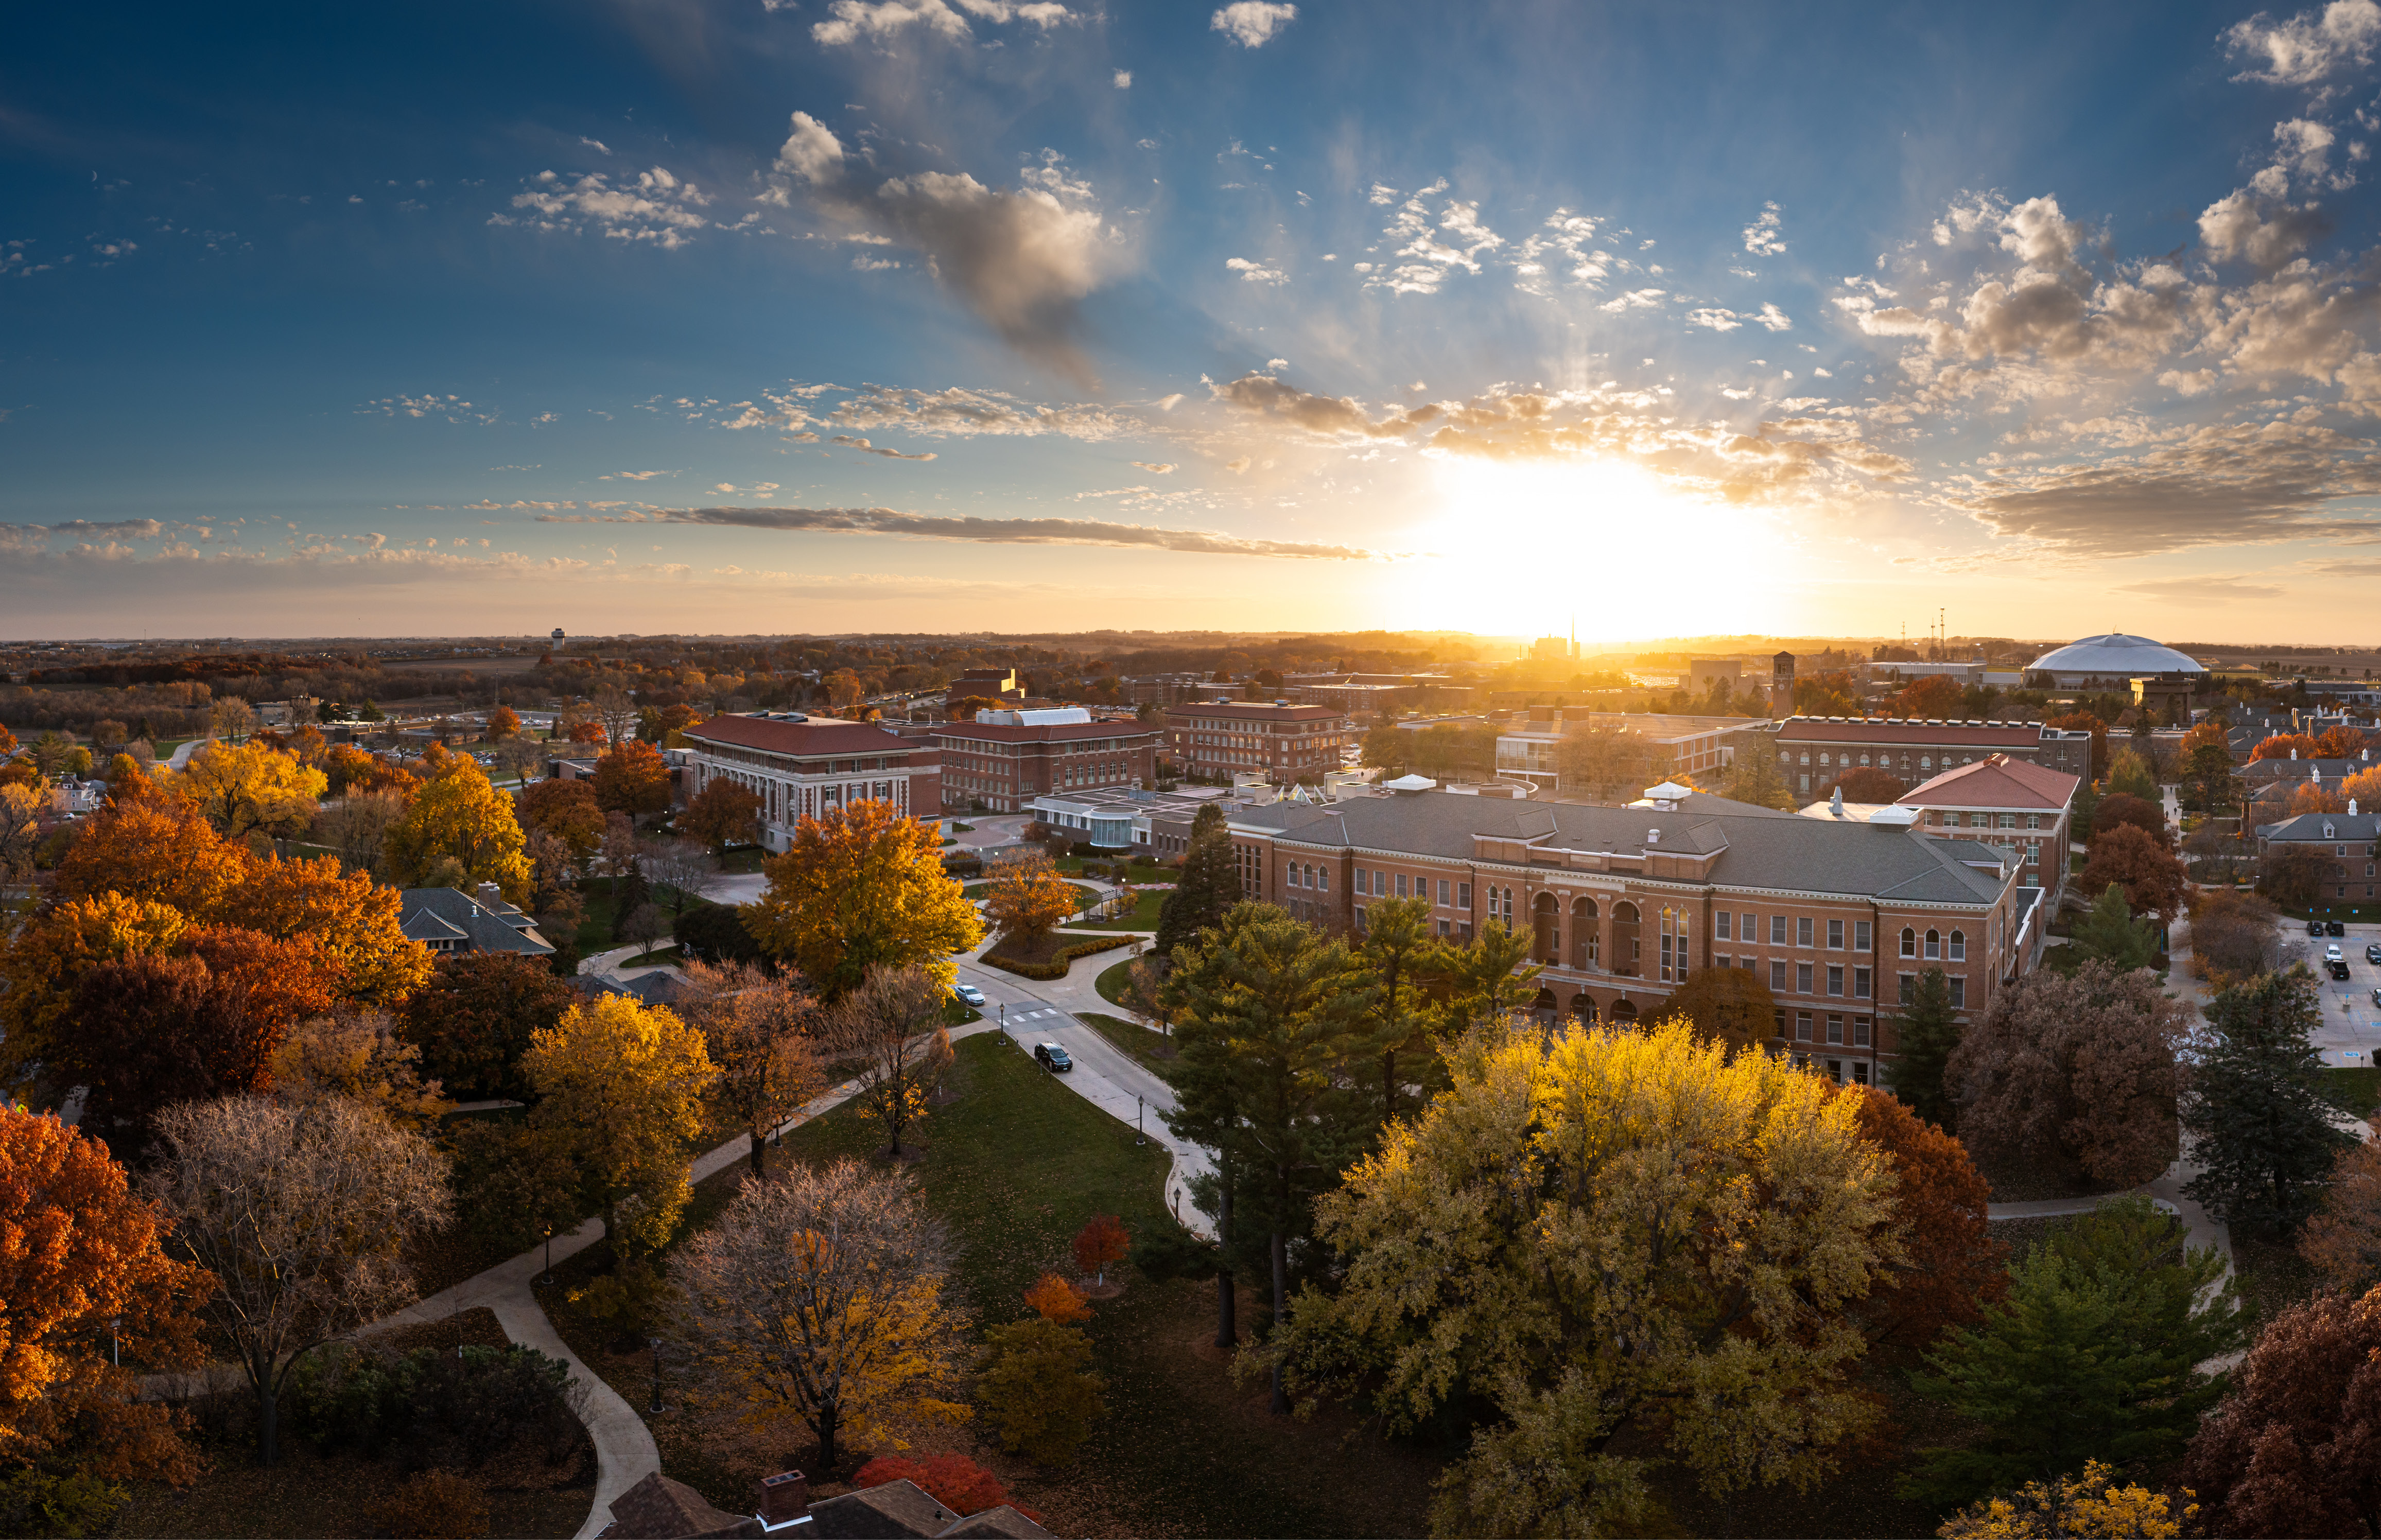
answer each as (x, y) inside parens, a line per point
(785, 1498)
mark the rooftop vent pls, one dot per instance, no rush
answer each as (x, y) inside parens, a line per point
(1652, 836)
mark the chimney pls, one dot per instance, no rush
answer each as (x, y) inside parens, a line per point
(785, 1498)
(489, 894)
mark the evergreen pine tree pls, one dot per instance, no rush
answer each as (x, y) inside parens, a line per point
(2108, 933)
(1206, 890)
(2258, 1108)
(1485, 979)
(1924, 1036)
(1398, 948)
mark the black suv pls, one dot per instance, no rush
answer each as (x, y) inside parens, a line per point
(2338, 969)
(1053, 1056)
(2334, 927)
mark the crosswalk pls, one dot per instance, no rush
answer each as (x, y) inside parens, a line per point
(1034, 1015)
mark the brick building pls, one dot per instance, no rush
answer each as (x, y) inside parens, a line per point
(801, 766)
(2349, 843)
(2014, 805)
(1002, 765)
(1815, 751)
(1276, 739)
(1530, 749)
(1625, 903)
(991, 684)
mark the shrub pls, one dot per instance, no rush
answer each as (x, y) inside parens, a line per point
(453, 1408)
(436, 1505)
(1056, 967)
(953, 1480)
(715, 933)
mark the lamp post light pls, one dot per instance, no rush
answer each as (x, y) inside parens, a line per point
(1140, 1135)
(548, 1281)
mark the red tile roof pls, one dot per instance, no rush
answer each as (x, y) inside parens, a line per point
(802, 739)
(1997, 780)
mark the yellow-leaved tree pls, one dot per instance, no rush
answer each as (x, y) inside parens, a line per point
(1623, 1241)
(2087, 1506)
(1029, 898)
(44, 961)
(252, 786)
(862, 887)
(457, 814)
(620, 1088)
(817, 1299)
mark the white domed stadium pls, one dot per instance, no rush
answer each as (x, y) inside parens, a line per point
(2111, 662)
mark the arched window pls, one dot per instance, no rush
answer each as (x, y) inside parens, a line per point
(1322, 878)
(1909, 942)
(1806, 756)
(1926, 762)
(1823, 760)
(1933, 944)
(1864, 759)
(1958, 945)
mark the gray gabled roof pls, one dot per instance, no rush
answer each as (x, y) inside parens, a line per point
(2310, 828)
(1758, 847)
(489, 925)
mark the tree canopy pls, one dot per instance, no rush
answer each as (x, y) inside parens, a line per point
(862, 887)
(621, 1090)
(456, 814)
(2259, 1105)
(249, 787)
(2154, 881)
(2296, 1448)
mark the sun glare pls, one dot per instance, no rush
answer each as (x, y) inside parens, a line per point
(1522, 547)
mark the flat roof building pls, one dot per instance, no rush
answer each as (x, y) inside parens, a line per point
(1005, 759)
(803, 766)
(1277, 740)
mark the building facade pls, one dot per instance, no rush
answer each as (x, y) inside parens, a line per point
(1813, 752)
(2349, 844)
(2019, 808)
(1277, 740)
(803, 766)
(1623, 904)
(1002, 766)
(1692, 745)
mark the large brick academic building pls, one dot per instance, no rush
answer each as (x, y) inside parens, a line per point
(1816, 751)
(1626, 903)
(801, 766)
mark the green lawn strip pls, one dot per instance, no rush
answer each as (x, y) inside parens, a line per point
(2359, 1089)
(1142, 917)
(655, 957)
(1111, 981)
(983, 890)
(1141, 1044)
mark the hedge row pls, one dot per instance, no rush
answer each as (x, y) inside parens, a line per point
(1056, 967)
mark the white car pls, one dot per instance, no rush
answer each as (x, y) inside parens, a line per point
(970, 994)
(2332, 953)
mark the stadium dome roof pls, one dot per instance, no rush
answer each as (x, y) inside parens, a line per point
(2115, 655)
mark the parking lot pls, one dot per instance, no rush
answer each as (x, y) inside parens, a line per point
(2351, 1032)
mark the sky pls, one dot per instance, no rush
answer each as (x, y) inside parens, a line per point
(883, 316)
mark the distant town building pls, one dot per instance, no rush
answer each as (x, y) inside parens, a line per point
(1813, 752)
(1528, 749)
(2113, 661)
(802, 766)
(993, 684)
(1003, 759)
(1781, 683)
(2349, 844)
(1278, 740)
(452, 922)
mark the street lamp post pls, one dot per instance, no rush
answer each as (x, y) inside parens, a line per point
(548, 1279)
(1140, 1135)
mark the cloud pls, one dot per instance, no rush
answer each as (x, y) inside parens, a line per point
(2310, 46)
(1123, 79)
(880, 20)
(1717, 320)
(2203, 590)
(1319, 416)
(2222, 485)
(595, 144)
(969, 412)
(1255, 272)
(1774, 318)
(1159, 468)
(2266, 231)
(1432, 250)
(656, 207)
(1762, 237)
(1022, 258)
(997, 531)
(1253, 23)
(863, 444)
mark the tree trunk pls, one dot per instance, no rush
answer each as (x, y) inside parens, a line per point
(1389, 1088)
(760, 1156)
(826, 1429)
(268, 1418)
(1228, 1314)
(1280, 1313)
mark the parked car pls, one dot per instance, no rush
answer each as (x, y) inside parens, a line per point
(2334, 927)
(2373, 951)
(1053, 1057)
(2338, 969)
(2315, 927)
(2376, 996)
(970, 994)
(2331, 954)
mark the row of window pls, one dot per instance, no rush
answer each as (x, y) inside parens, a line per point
(1985, 820)
(1747, 927)
(1807, 1028)
(1387, 885)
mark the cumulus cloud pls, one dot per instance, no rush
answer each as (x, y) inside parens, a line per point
(1774, 318)
(848, 442)
(2264, 230)
(1558, 251)
(811, 152)
(962, 413)
(1123, 79)
(1255, 272)
(1716, 320)
(655, 207)
(997, 531)
(1762, 237)
(1431, 248)
(1253, 23)
(1154, 470)
(880, 20)
(1334, 417)
(2309, 47)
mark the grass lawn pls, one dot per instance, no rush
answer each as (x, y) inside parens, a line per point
(1138, 871)
(1152, 1050)
(1142, 917)
(1111, 981)
(655, 959)
(2359, 1089)
(595, 925)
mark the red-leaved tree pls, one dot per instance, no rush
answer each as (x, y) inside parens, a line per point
(953, 1480)
(1951, 1267)
(2296, 1448)
(2152, 879)
(1103, 1241)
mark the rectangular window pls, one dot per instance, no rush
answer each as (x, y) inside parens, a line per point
(1802, 1026)
(1860, 935)
(1777, 978)
(1834, 1029)
(1802, 931)
(1778, 930)
(1747, 963)
(1781, 1023)
(1958, 945)
(1748, 929)
(1359, 917)
(1859, 984)
(1859, 1032)
(1401, 884)
(1835, 935)
(2034, 820)
(1802, 978)
(1836, 979)
(1859, 1072)
(1720, 924)
(1909, 995)
(1959, 991)
(1322, 879)
(1442, 892)
(1363, 880)
(1463, 897)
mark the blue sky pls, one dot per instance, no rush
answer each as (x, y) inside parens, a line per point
(718, 315)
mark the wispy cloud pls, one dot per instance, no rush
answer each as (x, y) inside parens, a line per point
(995, 531)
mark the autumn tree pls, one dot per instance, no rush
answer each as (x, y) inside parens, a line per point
(893, 1024)
(2084, 721)
(2082, 1067)
(1870, 784)
(156, 848)
(46, 962)
(1058, 1298)
(632, 778)
(620, 1088)
(2232, 936)
(1606, 763)
(953, 1480)
(1029, 899)
(1725, 1004)
(566, 810)
(1754, 778)
(457, 814)
(756, 1028)
(2292, 1450)
(1206, 888)
(154, 1031)
(2258, 1105)
(2284, 746)
(21, 830)
(351, 920)
(2204, 763)
(2095, 1351)
(818, 1297)
(2119, 807)
(357, 828)
(1039, 1389)
(303, 1215)
(1947, 1265)
(249, 787)
(721, 815)
(862, 889)
(503, 723)
(2293, 876)
(1099, 1242)
(615, 709)
(2342, 1241)
(2154, 882)
(2090, 1504)
(83, 1274)
(1475, 1249)
(358, 1055)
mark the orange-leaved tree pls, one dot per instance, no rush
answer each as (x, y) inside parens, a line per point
(2341, 743)
(457, 814)
(2152, 879)
(503, 722)
(82, 1277)
(2286, 746)
(1936, 695)
(1103, 1240)
(1949, 1267)
(721, 815)
(1029, 898)
(566, 810)
(44, 961)
(1056, 1299)
(861, 888)
(953, 1480)
(633, 778)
